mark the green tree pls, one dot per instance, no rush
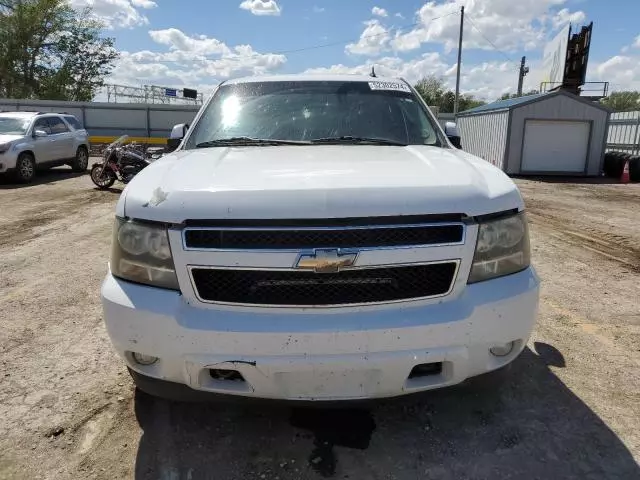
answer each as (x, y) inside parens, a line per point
(432, 89)
(623, 101)
(467, 102)
(51, 51)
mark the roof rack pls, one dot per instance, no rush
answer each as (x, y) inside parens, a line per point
(50, 113)
(17, 111)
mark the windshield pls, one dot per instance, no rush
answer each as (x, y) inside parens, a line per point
(13, 125)
(119, 141)
(308, 111)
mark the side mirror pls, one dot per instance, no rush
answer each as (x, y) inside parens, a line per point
(40, 133)
(178, 132)
(453, 134)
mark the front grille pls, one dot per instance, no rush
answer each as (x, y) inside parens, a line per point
(288, 288)
(381, 236)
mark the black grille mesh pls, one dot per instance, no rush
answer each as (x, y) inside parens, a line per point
(340, 238)
(309, 288)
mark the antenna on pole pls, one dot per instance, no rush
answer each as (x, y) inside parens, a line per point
(373, 72)
(457, 98)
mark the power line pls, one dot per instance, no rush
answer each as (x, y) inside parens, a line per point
(489, 41)
(305, 49)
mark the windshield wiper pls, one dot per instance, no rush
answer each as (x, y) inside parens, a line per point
(247, 141)
(355, 140)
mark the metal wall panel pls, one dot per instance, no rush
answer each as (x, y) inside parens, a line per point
(164, 120)
(624, 132)
(485, 135)
(113, 119)
(559, 107)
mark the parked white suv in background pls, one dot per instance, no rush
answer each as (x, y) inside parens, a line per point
(317, 238)
(32, 140)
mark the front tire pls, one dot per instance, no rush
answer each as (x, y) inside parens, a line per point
(81, 161)
(25, 168)
(103, 181)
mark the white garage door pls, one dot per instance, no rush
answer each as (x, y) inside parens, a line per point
(552, 146)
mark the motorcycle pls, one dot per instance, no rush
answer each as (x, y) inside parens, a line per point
(119, 162)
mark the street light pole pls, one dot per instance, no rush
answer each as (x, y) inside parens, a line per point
(523, 71)
(456, 102)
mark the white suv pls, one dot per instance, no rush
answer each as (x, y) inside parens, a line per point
(317, 238)
(31, 140)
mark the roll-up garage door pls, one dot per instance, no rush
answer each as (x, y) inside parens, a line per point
(555, 146)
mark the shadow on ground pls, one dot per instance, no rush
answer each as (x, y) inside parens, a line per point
(532, 427)
(569, 179)
(115, 190)
(43, 176)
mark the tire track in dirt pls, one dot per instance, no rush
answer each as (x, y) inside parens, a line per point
(33, 223)
(616, 247)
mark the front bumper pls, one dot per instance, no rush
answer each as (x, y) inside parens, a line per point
(7, 161)
(336, 354)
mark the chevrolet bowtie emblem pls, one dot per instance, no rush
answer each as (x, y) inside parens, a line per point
(326, 261)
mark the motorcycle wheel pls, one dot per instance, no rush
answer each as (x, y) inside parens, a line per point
(102, 180)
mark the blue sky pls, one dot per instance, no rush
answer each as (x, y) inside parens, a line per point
(199, 43)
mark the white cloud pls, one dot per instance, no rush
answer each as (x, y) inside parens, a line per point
(144, 3)
(373, 40)
(116, 13)
(510, 25)
(487, 80)
(379, 12)
(317, 9)
(635, 44)
(399, 15)
(191, 60)
(200, 60)
(178, 41)
(564, 16)
(622, 71)
(261, 7)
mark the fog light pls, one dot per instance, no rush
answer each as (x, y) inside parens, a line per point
(502, 350)
(217, 374)
(143, 359)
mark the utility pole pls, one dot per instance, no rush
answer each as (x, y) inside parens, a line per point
(523, 71)
(455, 103)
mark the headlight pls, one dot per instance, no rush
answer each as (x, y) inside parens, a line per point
(502, 248)
(141, 254)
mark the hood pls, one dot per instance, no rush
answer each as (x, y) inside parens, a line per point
(320, 181)
(5, 138)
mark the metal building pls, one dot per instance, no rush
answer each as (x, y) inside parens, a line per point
(549, 133)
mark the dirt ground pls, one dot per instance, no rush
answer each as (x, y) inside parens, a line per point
(570, 408)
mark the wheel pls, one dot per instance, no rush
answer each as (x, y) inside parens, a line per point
(103, 181)
(81, 162)
(25, 168)
(634, 169)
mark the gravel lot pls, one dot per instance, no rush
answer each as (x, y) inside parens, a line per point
(570, 407)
